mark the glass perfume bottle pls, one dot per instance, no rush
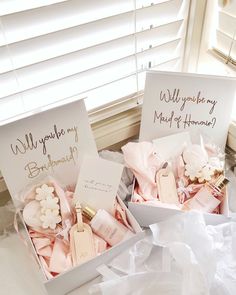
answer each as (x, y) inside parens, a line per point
(209, 196)
(106, 226)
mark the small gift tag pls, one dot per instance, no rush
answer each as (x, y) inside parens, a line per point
(81, 240)
(167, 186)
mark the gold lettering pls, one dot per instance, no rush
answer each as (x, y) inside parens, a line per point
(21, 147)
(188, 121)
(174, 97)
(163, 119)
(75, 130)
(56, 134)
(34, 169)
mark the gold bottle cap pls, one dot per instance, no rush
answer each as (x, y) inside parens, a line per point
(88, 212)
(221, 182)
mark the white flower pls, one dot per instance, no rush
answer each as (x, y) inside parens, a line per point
(50, 219)
(192, 171)
(45, 210)
(206, 173)
(43, 192)
(50, 203)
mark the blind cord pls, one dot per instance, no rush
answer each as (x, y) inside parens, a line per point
(230, 48)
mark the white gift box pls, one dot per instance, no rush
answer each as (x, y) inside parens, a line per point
(177, 102)
(54, 142)
(147, 214)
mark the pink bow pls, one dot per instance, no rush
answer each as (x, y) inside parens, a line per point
(186, 192)
(183, 192)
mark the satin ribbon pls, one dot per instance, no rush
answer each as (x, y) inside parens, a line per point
(183, 192)
(188, 191)
(55, 252)
(64, 233)
(60, 259)
(137, 198)
(44, 263)
(120, 215)
(65, 203)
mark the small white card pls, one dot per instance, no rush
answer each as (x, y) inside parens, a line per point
(98, 183)
(170, 146)
(175, 102)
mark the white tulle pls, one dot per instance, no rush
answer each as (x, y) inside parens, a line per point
(180, 256)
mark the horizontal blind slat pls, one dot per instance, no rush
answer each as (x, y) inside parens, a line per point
(42, 21)
(225, 32)
(160, 35)
(45, 20)
(223, 42)
(15, 106)
(159, 54)
(230, 8)
(60, 43)
(174, 64)
(161, 13)
(227, 24)
(117, 89)
(152, 37)
(110, 92)
(63, 52)
(79, 61)
(81, 82)
(13, 6)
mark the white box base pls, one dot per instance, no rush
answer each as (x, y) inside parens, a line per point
(146, 214)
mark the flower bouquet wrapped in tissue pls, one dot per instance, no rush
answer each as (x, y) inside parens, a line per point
(174, 173)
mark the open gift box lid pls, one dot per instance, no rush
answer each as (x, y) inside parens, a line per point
(176, 102)
(52, 142)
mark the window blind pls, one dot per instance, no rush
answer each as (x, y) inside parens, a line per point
(225, 43)
(52, 49)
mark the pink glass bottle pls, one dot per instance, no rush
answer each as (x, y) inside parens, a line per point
(209, 196)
